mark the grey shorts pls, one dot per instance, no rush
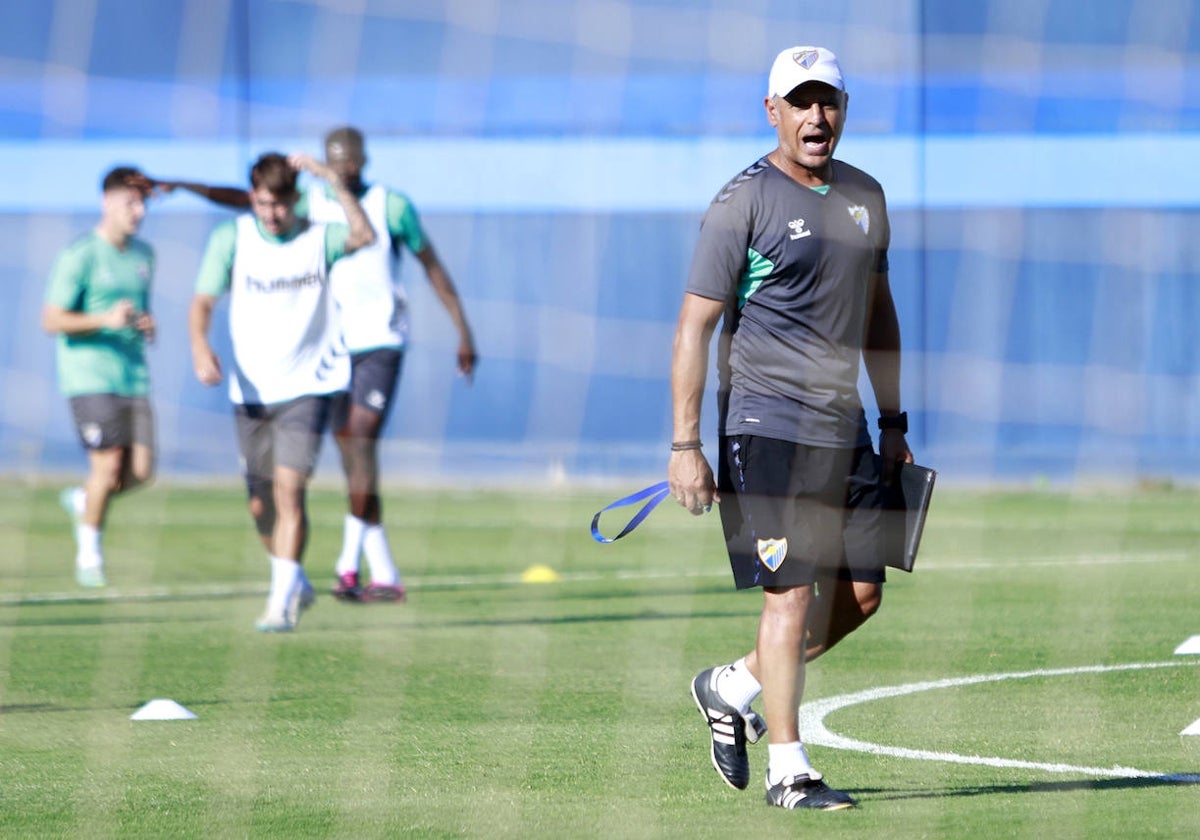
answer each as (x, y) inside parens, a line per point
(374, 375)
(793, 514)
(107, 421)
(284, 435)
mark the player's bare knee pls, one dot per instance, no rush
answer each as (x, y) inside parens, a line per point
(262, 511)
(107, 481)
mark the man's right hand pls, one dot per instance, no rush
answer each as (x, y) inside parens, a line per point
(206, 365)
(121, 315)
(691, 481)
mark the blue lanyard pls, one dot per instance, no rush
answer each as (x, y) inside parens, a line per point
(654, 494)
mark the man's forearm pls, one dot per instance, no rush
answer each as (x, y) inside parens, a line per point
(361, 233)
(199, 320)
(881, 352)
(233, 197)
(689, 366)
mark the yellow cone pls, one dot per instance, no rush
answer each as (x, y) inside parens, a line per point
(539, 574)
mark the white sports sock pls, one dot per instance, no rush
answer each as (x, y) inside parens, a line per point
(737, 685)
(88, 555)
(352, 542)
(790, 759)
(78, 500)
(285, 580)
(379, 556)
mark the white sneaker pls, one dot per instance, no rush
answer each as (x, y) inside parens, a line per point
(274, 624)
(90, 577)
(304, 598)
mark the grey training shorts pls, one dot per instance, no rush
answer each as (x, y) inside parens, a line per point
(107, 421)
(281, 435)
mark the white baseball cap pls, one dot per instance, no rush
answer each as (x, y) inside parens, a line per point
(797, 65)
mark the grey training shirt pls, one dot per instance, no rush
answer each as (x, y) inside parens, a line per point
(794, 268)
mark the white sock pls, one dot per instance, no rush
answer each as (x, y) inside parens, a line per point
(737, 685)
(88, 555)
(78, 500)
(379, 556)
(788, 759)
(285, 579)
(352, 541)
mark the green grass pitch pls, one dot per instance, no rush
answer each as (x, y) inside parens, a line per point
(486, 707)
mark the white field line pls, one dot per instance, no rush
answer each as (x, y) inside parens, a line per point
(814, 731)
(158, 593)
(1063, 560)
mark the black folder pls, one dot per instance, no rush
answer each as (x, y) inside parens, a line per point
(916, 489)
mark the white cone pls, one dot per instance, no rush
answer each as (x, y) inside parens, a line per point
(1192, 645)
(162, 710)
(1194, 729)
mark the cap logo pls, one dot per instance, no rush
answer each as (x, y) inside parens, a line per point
(805, 58)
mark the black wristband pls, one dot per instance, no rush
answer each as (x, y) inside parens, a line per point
(895, 421)
(684, 445)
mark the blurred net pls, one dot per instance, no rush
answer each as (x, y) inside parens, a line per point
(1038, 164)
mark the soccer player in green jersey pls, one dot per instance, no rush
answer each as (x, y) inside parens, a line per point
(98, 304)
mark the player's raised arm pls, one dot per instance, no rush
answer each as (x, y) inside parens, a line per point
(361, 233)
(233, 197)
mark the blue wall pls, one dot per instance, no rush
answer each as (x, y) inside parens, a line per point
(1039, 164)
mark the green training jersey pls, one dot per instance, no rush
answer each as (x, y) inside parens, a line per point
(92, 275)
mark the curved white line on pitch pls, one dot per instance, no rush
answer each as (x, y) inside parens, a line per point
(812, 723)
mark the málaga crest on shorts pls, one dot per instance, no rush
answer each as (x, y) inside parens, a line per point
(92, 434)
(772, 553)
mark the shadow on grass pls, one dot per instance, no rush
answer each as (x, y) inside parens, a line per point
(116, 597)
(106, 621)
(1169, 780)
(565, 620)
(419, 624)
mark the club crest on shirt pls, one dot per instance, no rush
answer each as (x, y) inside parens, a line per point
(861, 216)
(772, 553)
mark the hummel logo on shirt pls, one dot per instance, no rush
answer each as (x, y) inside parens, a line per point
(797, 228)
(282, 284)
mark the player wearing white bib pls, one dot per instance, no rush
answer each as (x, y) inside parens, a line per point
(372, 313)
(287, 358)
(371, 307)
